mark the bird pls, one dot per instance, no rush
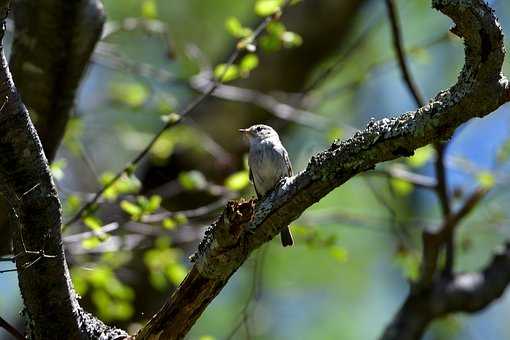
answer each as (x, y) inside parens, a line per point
(269, 163)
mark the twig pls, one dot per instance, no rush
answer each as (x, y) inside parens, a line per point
(398, 46)
(418, 180)
(326, 73)
(11, 330)
(197, 212)
(262, 100)
(379, 67)
(82, 236)
(253, 296)
(106, 57)
(191, 107)
(432, 241)
(151, 26)
(444, 200)
(394, 222)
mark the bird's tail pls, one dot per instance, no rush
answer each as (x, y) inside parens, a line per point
(286, 237)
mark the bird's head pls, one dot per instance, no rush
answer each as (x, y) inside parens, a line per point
(259, 132)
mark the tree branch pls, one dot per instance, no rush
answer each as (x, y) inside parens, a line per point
(53, 42)
(11, 329)
(400, 51)
(244, 226)
(433, 241)
(26, 183)
(465, 292)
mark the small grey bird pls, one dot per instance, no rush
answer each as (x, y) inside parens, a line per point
(269, 164)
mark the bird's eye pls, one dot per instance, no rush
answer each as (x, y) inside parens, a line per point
(258, 129)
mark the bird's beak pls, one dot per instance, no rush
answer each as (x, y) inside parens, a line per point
(244, 130)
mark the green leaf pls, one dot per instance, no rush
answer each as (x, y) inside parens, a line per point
(122, 310)
(132, 209)
(149, 9)
(153, 204)
(339, 253)
(226, 74)
(409, 263)
(180, 218)
(93, 222)
(57, 169)
(158, 280)
(207, 337)
(72, 204)
(246, 43)
(74, 131)
(163, 148)
(401, 187)
(119, 290)
(131, 94)
(126, 184)
(171, 118)
(106, 178)
(176, 273)
(486, 179)
(270, 43)
(276, 28)
(234, 27)
(248, 63)
(421, 156)
(192, 180)
(291, 39)
(335, 133)
(91, 242)
(238, 180)
(264, 8)
(79, 281)
(100, 276)
(169, 224)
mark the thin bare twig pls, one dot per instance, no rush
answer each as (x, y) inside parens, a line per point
(395, 226)
(197, 212)
(11, 329)
(87, 234)
(433, 241)
(269, 103)
(399, 50)
(418, 180)
(327, 72)
(253, 296)
(377, 68)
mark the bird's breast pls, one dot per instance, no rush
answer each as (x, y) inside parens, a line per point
(268, 167)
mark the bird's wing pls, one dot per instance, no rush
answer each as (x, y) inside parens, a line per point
(253, 182)
(287, 161)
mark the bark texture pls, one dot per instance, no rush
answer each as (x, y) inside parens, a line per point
(53, 42)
